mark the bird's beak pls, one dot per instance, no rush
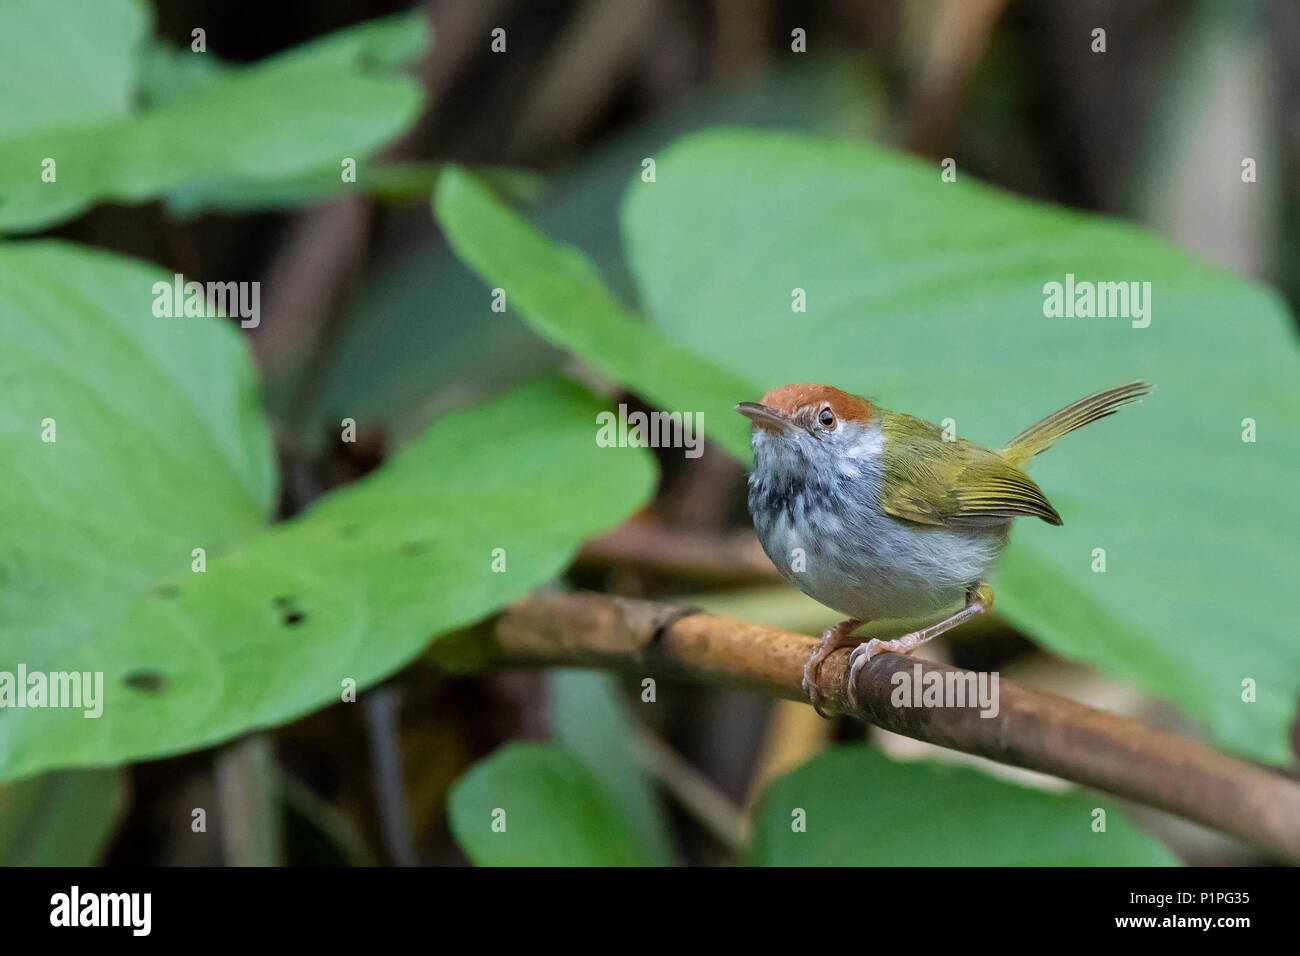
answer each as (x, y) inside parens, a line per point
(764, 417)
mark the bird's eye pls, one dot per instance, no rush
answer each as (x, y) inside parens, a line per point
(827, 418)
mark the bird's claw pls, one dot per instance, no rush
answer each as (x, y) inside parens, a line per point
(860, 656)
(810, 688)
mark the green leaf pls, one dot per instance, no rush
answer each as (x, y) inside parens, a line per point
(563, 299)
(929, 297)
(64, 818)
(73, 61)
(553, 811)
(342, 96)
(588, 715)
(157, 448)
(170, 74)
(160, 450)
(859, 808)
(83, 347)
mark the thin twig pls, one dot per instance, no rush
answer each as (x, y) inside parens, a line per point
(248, 802)
(1035, 730)
(381, 712)
(728, 824)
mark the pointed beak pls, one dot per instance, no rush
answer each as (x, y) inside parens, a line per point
(765, 417)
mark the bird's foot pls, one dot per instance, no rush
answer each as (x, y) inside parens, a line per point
(869, 649)
(979, 598)
(833, 639)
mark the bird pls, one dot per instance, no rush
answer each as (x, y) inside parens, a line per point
(877, 514)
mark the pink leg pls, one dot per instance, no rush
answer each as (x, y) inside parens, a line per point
(834, 638)
(978, 600)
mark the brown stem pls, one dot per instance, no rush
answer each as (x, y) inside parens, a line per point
(1031, 729)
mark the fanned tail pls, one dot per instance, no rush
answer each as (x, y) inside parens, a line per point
(1039, 437)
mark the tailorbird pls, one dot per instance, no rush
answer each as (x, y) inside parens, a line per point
(894, 517)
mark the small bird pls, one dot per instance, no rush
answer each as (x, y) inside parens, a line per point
(877, 514)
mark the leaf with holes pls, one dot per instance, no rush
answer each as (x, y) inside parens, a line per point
(853, 806)
(159, 450)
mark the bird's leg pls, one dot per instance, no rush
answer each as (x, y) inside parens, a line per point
(979, 598)
(834, 638)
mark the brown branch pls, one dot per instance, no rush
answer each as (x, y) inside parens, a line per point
(1031, 729)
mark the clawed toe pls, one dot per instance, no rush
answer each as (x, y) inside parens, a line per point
(835, 637)
(867, 650)
(810, 688)
(860, 656)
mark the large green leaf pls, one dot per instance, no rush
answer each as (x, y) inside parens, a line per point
(341, 96)
(853, 806)
(538, 805)
(929, 296)
(73, 61)
(64, 818)
(160, 450)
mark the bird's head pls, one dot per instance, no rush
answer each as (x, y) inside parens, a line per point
(804, 426)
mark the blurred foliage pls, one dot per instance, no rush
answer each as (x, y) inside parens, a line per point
(72, 77)
(64, 818)
(392, 345)
(587, 714)
(855, 807)
(562, 296)
(538, 805)
(339, 97)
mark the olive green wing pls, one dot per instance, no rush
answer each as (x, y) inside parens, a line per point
(954, 484)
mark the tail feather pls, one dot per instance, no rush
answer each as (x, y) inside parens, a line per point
(1039, 437)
